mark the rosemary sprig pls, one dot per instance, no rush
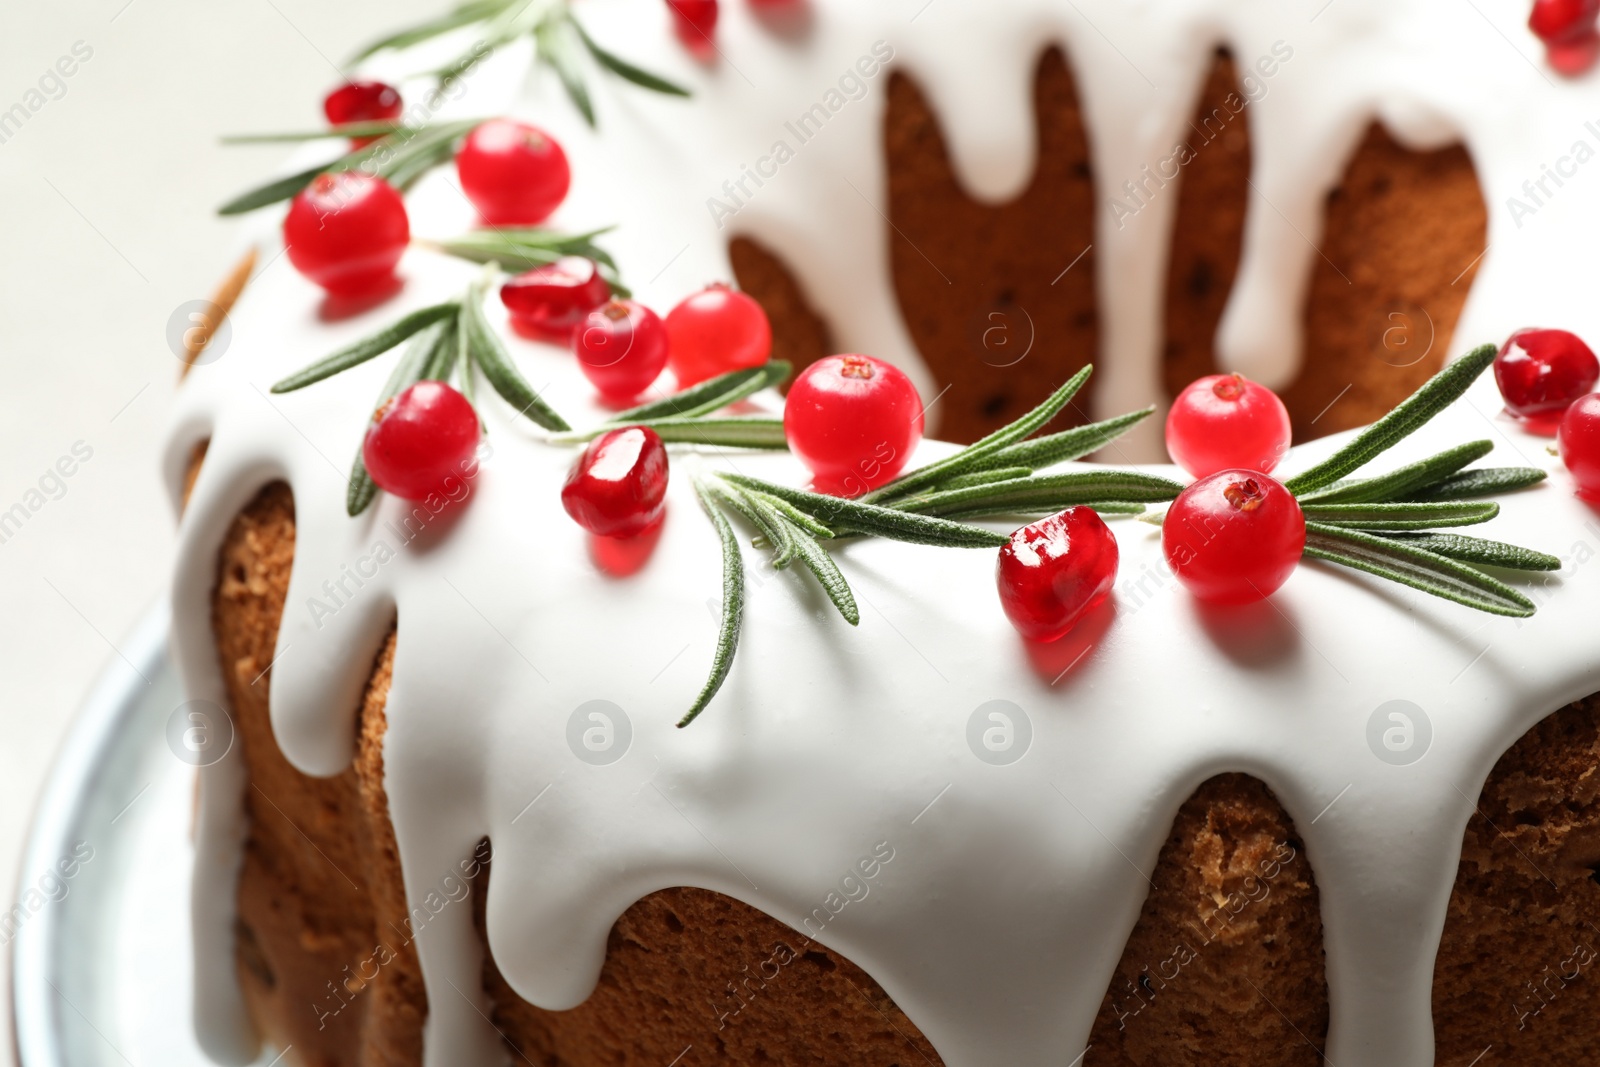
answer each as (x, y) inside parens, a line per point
(1404, 516)
(491, 357)
(523, 248)
(557, 37)
(710, 395)
(368, 347)
(1415, 566)
(1398, 484)
(1478, 550)
(399, 158)
(1045, 493)
(732, 605)
(1438, 393)
(1486, 481)
(747, 431)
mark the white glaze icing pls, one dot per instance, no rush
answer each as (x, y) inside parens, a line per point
(999, 922)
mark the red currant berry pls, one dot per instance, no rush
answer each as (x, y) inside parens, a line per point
(549, 302)
(1576, 56)
(514, 174)
(1579, 441)
(1563, 21)
(694, 21)
(363, 102)
(1540, 372)
(715, 331)
(1234, 537)
(1055, 571)
(618, 486)
(422, 442)
(1226, 420)
(854, 421)
(346, 231)
(621, 348)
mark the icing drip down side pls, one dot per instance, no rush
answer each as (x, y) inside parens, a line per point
(1004, 911)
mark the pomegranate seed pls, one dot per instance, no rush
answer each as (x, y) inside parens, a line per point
(514, 174)
(854, 421)
(346, 231)
(1579, 441)
(715, 331)
(366, 101)
(694, 20)
(1563, 21)
(549, 302)
(422, 442)
(1541, 372)
(1234, 537)
(1055, 571)
(618, 485)
(621, 348)
(1576, 56)
(1226, 420)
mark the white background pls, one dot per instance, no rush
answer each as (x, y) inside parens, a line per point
(106, 226)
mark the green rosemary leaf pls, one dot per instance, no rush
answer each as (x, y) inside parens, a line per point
(1479, 551)
(271, 193)
(1406, 516)
(826, 571)
(401, 160)
(1488, 481)
(732, 605)
(709, 396)
(362, 489)
(1402, 483)
(623, 69)
(555, 47)
(523, 248)
(349, 129)
(772, 531)
(1068, 444)
(793, 514)
(974, 456)
(1440, 391)
(1103, 507)
(1047, 493)
(880, 521)
(1417, 568)
(463, 15)
(753, 431)
(967, 481)
(491, 357)
(367, 348)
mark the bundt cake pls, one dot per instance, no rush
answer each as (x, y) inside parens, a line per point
(1349, 822)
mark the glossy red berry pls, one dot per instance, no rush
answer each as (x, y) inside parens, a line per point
(1576, 56)
(621, 348)
(854, 421)
(1540, 372)
(715, 331)
(514, 174)
(618, 485)
(346, 231)
(694, 20)
(1226, 420)
(550, 301)
(423, 442)
(1055, 571)
(1563, 21)
(1234, 537)
(365, 101)
(1579, 441)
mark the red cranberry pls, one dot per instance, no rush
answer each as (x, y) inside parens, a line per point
(1563, 21)
(694, 20)
(346, 231)
(1055, 571)
(621, 348)
(1234, 537)
(854, 421)
(422, 442)
(514, 174)
(1579, 441)
(1540, 372)
(618, 486)
(366, 101)
(1576, 56)
(715, 331)
(1226, 420)
(549, 302)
